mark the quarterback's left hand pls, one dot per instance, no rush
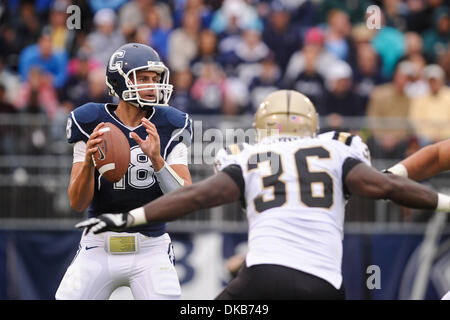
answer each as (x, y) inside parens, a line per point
(105, 222)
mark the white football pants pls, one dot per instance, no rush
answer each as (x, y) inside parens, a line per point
(95, 273)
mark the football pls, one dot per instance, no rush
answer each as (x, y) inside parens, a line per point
(113, 153)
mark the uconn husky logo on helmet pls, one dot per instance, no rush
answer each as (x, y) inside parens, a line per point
(121, 81)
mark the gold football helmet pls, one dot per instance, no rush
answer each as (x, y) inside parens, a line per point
(286, 112)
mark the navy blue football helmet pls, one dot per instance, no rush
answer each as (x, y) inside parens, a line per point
(121, 75)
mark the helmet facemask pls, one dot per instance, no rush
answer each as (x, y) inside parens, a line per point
(162, 89)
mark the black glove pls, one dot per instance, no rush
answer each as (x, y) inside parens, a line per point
(105, 222)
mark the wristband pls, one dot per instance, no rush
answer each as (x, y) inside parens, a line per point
(136, 217)
(399, 170)
(443, 203)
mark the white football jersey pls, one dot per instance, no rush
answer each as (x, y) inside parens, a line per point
(295, 199)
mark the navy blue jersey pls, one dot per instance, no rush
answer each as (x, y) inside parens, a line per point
(139, 185)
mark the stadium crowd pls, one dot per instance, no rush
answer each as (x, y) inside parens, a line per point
(224, 56)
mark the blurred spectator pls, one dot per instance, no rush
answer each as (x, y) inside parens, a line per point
(395, 13)
(165, 14)
(139, 35)
(309, 81)
(236, 16)
(303, 13)
(207, 51)
(9, 80)
(419, 15)
(97, 5)
(235, 12)
(10, 47)
(430, 113)
(280, 35)
(266, 81)
(131, 15)
(27, 28)
(106, 38)
(413, 44)
(8, 139)
(5, 105)
(314, 37)
(183, 42)
(444, 63)
(97, 89)
(389, 137)
(209, 90)
(416, 86)
(203, 9)
(34, 141)
(340, 100)
(43, 56)
(63, 39)
(389, 43)
(159, 36)
(337, 36)
(234, 38)
(181, 96)
(361, 35)
(367, 72)
(436, 40)
(76, 90)
(356, 10)
(247, 55)
(37, 94)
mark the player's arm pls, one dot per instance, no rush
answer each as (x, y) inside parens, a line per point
(425, 163)
(219, 189)
(81, 185)
(366, 181)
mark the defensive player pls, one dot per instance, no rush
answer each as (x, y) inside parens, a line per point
(143, 257)
(295, 185)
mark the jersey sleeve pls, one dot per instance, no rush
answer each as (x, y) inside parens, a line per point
(181, 125)
(359, 150)
(351, 145)
(228, 160)
(81, 122)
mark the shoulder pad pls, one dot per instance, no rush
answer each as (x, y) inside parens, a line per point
(176, 117)
(341, 136)
(357, 147)
(344, 137)
(234, 149)
(229, 155)
(88, 113)
(82, 121)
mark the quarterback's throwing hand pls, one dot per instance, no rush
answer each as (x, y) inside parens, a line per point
(104, 222)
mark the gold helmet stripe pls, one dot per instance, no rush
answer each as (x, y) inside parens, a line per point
(288, 97)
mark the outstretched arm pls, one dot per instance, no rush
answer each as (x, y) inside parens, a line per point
(213, 191)
(425, 163)
(366, 181)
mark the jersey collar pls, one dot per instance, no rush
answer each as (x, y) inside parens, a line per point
(116, 118)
